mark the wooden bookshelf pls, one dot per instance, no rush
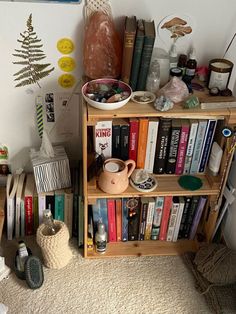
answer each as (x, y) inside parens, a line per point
(167, 184)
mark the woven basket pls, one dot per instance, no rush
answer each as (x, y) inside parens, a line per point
(55, 248)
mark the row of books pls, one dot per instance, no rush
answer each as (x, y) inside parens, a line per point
(139, 37)
(158, 145)
(25, 206)
(148, 218)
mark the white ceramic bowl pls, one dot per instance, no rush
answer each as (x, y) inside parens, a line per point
(107, 106)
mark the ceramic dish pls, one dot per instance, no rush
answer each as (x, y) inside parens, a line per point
(107, 82)
(189, 182)
(147, 186)
(143, 97)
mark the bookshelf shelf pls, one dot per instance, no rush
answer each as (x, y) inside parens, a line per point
(167, 184)
(141, 248)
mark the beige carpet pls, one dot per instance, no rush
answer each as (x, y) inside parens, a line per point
(119, 285)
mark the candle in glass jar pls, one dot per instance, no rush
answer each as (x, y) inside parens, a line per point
(219, 73)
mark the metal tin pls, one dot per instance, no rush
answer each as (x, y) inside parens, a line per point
(219, 73)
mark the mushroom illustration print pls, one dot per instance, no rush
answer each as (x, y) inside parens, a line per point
(177, 27)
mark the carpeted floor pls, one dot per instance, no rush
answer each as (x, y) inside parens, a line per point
(161, 285)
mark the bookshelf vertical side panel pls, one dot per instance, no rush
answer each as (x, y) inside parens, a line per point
(85, 184)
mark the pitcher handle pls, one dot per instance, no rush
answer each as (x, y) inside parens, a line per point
(131, 163)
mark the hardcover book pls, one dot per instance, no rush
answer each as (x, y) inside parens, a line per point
(19, 199)
(143, 217)
(133, 138)
(149, 219)
(59, 204)
(142, 142)
(182, 146)
(11, 188)
(124, 219)
(179, 217)
(137, 54)
(187, 204)
(198, 145)
(197, 216)
(116, 139)
(68, 209)
(111, 215)
(28, 197)
(191, 143)
(124, 140)
(190, 216)
(206, 148)
(149, 39)
(173, 147)
(157, 217)
(133, 221)
(162, 145)
(173, 218)
(99, 210)
(165, 218)
(128, 47)
(103, 138)
(151, 145)
(118, 219)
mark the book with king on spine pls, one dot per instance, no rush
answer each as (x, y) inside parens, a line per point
(149, 39)
(103, 138)
(130, 27)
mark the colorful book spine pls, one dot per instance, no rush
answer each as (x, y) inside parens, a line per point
(111, 214)
(124, 219)
(165, 217)
(173, 218)
(133, 138)
(151, 145)
(142, 142)
(179, 217)
(99, 210)
(29, 223)
(59, 206)
(211, 126)
(22, 218)
(128, 47)
(103, 138)
(182, 147)
(173, 147)
(149, 220)
(149, 39)
(133, 221)
(118, 219)
(157, 217)
(198, 146)
(190, 146)
(41, 206)
(162, 145)
(138, 47)
(197, 217)
(143, 217)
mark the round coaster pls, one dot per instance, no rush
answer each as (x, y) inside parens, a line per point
(147, 186)
(189, 182)
(143, 97)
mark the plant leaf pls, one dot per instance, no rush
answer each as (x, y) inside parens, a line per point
(23, 76)
(22, 70)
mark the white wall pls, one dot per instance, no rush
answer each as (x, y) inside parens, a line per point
(214, 20)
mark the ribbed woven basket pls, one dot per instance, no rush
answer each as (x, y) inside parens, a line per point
(55, 248)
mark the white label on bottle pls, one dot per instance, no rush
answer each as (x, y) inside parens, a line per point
(173, 64)
(190, 72)
(218, 80)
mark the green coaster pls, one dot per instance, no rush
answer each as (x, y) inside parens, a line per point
(189, 182)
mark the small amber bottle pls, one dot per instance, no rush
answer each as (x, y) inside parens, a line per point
(191, 65)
